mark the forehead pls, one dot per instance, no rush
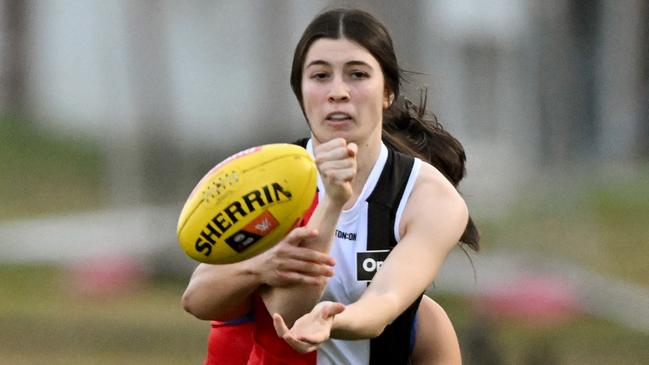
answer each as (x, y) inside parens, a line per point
(338, 52)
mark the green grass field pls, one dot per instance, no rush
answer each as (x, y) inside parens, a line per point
(582, 340)
(41, 174)
(599, 223)
(45, 321)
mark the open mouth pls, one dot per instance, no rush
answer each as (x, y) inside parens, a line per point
(338, 117)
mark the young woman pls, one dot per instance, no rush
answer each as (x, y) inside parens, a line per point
(384, 209)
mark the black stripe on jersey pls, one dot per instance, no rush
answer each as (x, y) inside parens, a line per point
(393, 345)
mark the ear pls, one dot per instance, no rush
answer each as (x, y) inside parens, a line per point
(388, 98)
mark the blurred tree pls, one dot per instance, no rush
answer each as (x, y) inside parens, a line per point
(567, 40)
(159, 153)
(13, 56)
(642, 138)
(270, 20)
(619, 80)
(156, 148)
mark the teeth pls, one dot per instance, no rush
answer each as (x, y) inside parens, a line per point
(338, 116)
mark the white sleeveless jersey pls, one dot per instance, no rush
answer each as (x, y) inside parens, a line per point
(350, 239)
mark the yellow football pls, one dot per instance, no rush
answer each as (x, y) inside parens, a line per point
(247, 203)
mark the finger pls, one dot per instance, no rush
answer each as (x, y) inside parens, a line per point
(337, 164)
(332, 175)
(307, 268)
(343, 176)
(298, 345)
(340, 152)
(310, 255)
(280, 325)
(297, 235)
(336, 176)
(282, 331)
(331, 144)
(293, 278)
(332, 309)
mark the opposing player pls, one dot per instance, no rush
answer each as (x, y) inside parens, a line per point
(397, 211)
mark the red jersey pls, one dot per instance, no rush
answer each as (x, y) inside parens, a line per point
(252, 340)
(230, 343)
(268, 348)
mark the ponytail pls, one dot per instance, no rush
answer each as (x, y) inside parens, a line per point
(407, 128)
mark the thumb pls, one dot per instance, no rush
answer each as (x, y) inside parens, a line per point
(332, 308)
(352, 149)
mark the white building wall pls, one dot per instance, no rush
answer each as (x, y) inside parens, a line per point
(482, 93)
(229, 65)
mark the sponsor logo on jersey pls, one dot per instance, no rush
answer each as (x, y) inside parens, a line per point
(368, 263)
(345, 235)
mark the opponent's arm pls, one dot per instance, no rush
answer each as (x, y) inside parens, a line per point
(436, 341)
(220, 292)
(223, 292)
(433, 222)
(336, 161)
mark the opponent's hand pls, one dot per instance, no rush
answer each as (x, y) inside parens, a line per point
(336, 161)
(310, 330)
(287, 263)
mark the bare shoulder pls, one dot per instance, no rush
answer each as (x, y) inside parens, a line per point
(431, 178)
(435, 205)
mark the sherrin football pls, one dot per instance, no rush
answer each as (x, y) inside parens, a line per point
(247, 203)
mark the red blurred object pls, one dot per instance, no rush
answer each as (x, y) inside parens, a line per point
(108, 277)
(536, 301)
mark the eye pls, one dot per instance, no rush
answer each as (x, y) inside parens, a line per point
(321, 75)
(357, 74)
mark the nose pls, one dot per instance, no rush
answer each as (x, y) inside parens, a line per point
(339, 91)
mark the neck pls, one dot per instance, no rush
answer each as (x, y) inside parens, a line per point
(366, 158)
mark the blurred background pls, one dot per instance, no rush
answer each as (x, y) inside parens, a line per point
(110, 112)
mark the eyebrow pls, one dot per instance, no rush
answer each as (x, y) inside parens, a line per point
(325, 63)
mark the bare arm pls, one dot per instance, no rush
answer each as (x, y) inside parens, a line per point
(223, 292)
(220, 292)
(432, 224)
(436, 341)
(337, 166)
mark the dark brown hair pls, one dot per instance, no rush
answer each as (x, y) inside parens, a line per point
(406, 127)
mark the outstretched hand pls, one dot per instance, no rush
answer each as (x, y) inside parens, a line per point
(310, 330)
